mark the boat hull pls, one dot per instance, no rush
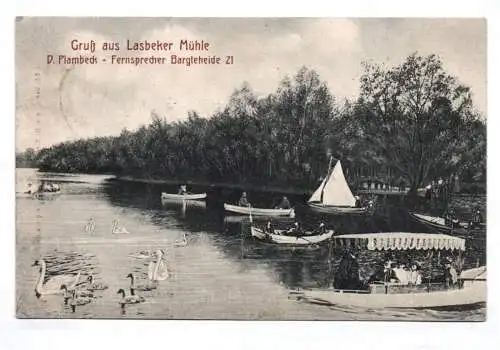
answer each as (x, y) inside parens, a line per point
(196, 196)
(328, 209)
(259, 211)
(436, 223)
(290, 240)
(470, 294)
(38, 195)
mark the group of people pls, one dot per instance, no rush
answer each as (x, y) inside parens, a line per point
(284, 203)
(451, 219)
(347, 276)
(296, 229)
(400, 273)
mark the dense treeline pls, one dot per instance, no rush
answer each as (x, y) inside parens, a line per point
(413, 122)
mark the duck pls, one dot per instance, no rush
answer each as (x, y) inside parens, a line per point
(118, 229)
(158, 271)
(131, 299)
(93, 286)
(145, 287)
(78, 300)
(53, 285)
(71, 293)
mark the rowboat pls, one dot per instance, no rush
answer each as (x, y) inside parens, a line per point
(38, 195)
(334, 196)
(194, 196)
(437, 223)
(259, 211)
(470, 291)
(281, 237)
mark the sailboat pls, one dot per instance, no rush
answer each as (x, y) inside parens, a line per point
(334, 196)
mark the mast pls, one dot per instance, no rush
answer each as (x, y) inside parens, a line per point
(328, 173)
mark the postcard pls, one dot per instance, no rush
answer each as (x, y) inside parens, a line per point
(251, 168)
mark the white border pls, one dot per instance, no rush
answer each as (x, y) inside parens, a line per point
(27, 334)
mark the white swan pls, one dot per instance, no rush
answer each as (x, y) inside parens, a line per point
(118, 229)
(182, 243)
(158, 271)
(131, 299)
(144, 287)
(92, 286)
(90, 226)
(53, 285)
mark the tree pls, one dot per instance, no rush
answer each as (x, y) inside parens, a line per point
(414, 115)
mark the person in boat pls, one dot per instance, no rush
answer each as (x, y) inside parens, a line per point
(269, 227)
(450, 218)
(415, 275)
(322, 228)
(347, 275)
(296, 230)
(477, 218)
(402, 274)
(284, 204)
(357, 204)
(243, 202)
(450, 274)
(182, 190)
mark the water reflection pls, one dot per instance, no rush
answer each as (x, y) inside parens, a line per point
(307, 267)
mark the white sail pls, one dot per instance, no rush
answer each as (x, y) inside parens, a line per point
(316, 196)
(336, 191)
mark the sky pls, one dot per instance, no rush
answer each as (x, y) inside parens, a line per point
(101, 100)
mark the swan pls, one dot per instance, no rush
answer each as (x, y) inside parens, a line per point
(78, 300)
(53, 285)
(92, 286)
(140, 287)
(118, 229)
(158, 271)
(70, 293)
(131, 299)
(90, 226)
(182, 243)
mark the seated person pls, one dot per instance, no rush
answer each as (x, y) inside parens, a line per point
(322, 228)
(243, 202)
(389, 273)
(182, 190)
(477, 218)
(284, 204)
(402, 274)
(357, 204)
(450, 218)
(269, 228)
(415, 276)
(296, 230)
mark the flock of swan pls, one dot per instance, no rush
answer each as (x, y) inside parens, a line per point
(77, 293)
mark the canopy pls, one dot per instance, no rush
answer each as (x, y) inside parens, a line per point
(400, 241)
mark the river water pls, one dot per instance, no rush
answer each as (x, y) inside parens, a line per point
(218, 274)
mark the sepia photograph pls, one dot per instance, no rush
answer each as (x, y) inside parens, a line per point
(251, 168)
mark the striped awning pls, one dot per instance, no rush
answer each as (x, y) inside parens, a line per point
(400, 241)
